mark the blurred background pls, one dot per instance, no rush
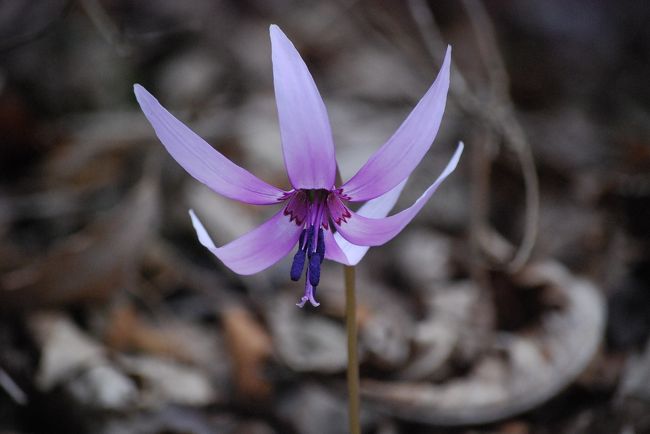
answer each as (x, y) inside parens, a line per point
(517, 302)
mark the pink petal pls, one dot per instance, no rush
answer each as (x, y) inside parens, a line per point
(350, 254)
(333, 250)
(258, 249)
(366, 231)
(399, 156)
(307, 141)
(201, 160)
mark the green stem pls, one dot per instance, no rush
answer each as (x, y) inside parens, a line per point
(353, 363)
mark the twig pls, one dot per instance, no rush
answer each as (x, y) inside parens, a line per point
(498, 112)
(12, 389)
(433, 41)
(511, 128)
(480, 171)
(531, 184)
(105, 26)
(486, 42)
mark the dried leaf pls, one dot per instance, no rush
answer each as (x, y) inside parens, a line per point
(164, 381)
(103, 387)
(250, 349)
(65, 350)
(307, 342)
(521, 372)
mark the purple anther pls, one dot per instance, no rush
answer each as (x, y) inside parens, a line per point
(297, 265)
(314, 269)
(320, 246)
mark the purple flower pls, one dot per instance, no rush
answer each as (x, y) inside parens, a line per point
(314, 213)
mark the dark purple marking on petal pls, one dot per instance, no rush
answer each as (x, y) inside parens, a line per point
(341, 194)
(297, 207)
(337, 211)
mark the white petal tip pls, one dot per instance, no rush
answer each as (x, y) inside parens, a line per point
(447, 60)
(201, 233)
(138, 89)
(142, 95)
(451, 166)
(276, 32)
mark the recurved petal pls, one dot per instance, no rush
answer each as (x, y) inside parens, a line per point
(343, 251)
(367, 231)
(201, 160)
(397, 158)
(333, 250)
(307, 141)
(257, 249)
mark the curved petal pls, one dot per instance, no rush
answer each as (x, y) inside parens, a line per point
(256, 250)
(333, 250)
(397, 158)
(307, 141)
(368, 231)
(344, 251)
(201, 160)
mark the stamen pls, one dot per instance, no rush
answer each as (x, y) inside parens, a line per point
(311, 245)
(314, 269)
(320, 246)
(301, 241)
(297, 265)
(310, 240)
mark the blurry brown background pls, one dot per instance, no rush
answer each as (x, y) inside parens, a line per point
(517, 302)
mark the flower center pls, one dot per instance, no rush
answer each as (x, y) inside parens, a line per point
(313, 209)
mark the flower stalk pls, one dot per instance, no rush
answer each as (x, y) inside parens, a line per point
(354, 403)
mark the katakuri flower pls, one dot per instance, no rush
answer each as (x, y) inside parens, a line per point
(314, 213)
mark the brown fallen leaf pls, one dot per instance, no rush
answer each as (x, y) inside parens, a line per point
(250, 347)
(171, 339)
(127, 332)
(514, 427)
